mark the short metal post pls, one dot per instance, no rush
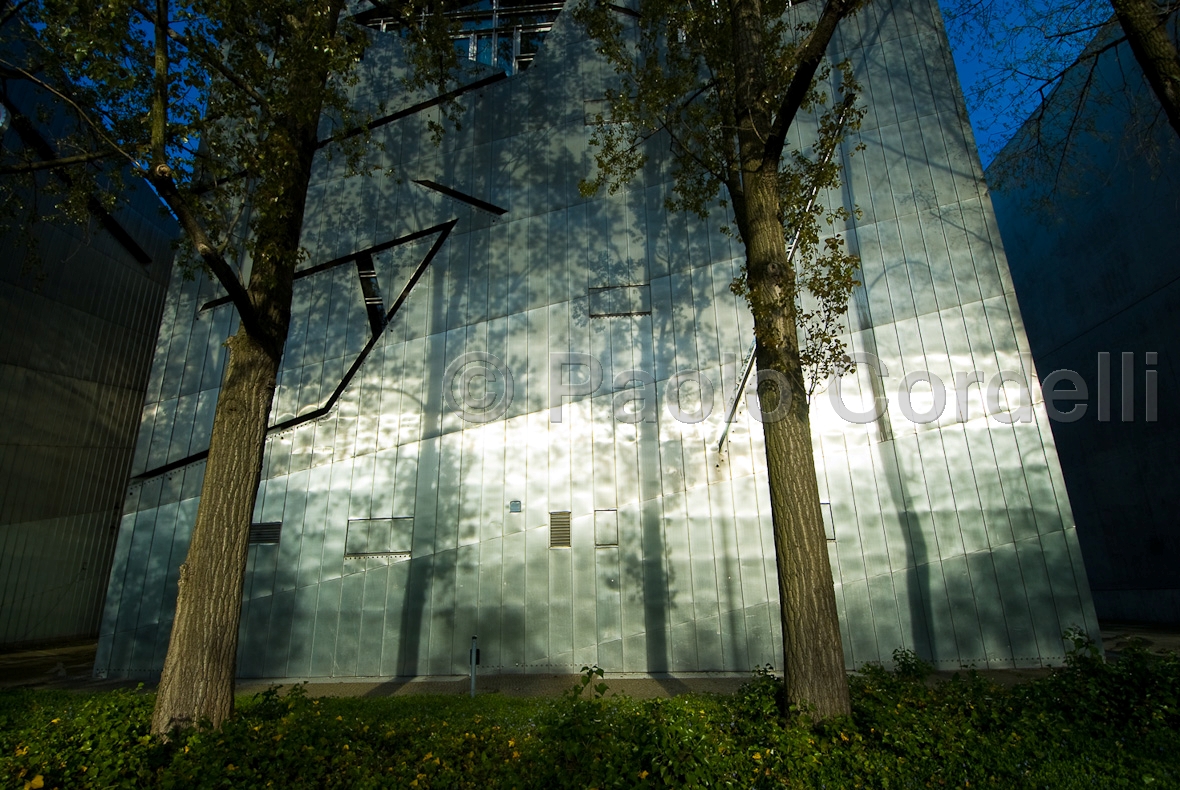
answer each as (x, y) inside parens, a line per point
(474, 661)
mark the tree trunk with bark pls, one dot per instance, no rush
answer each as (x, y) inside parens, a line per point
(813, 655)
(197, 683)
(1147, 32)
(198, 679)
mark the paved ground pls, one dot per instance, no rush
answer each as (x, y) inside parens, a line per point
(1156, 639)
(531, 685)
(69, 666)
(66, 666)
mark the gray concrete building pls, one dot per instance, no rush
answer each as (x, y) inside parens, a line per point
(79, 310)
(1088, 220)
(446, 459)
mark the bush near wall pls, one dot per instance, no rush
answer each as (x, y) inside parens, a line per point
(1092, 725)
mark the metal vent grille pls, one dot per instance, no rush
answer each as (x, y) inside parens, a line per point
(559, 529)
(266, 532)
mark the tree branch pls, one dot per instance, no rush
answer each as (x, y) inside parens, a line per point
(810, 57)
(82, 114)
(53, 164)
(159, 112)
(668, 123)
(1155, 51)
(33, 140)
(1086, 29)
(212, 62)
(1079, 105)
(692, 155)
(160, 177)
(1053, 79)
(11, 13)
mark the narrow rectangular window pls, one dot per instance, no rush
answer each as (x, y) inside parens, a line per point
(559, 529)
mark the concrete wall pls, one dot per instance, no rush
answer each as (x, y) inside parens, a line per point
(950, 537)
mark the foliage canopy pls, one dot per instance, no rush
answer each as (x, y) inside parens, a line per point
(93, 71)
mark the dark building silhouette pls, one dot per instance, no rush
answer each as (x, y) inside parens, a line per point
(1089, 222)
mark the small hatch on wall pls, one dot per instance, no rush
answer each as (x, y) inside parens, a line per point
(559, 529)
(606, 528)
(379, 537)
(514, 506)
(620, 300)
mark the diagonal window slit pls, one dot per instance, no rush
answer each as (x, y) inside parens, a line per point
(371, 289)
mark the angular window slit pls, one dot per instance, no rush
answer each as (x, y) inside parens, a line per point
(374, 305)
(462, 197)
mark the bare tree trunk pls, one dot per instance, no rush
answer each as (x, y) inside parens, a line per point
(1147, 33)
(812, 649)
(198, 679)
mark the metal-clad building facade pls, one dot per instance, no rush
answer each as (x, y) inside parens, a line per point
(78, 320)
(407, 527)
(1097, 281)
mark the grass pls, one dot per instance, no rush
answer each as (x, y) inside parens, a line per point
(1092, 725)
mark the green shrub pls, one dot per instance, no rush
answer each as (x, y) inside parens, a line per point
(76, 740)
(615, 741)
(1091, 725)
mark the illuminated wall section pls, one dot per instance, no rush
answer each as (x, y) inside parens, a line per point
(393, 527)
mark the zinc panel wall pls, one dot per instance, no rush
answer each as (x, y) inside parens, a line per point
(77, 330)
(926, 552)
